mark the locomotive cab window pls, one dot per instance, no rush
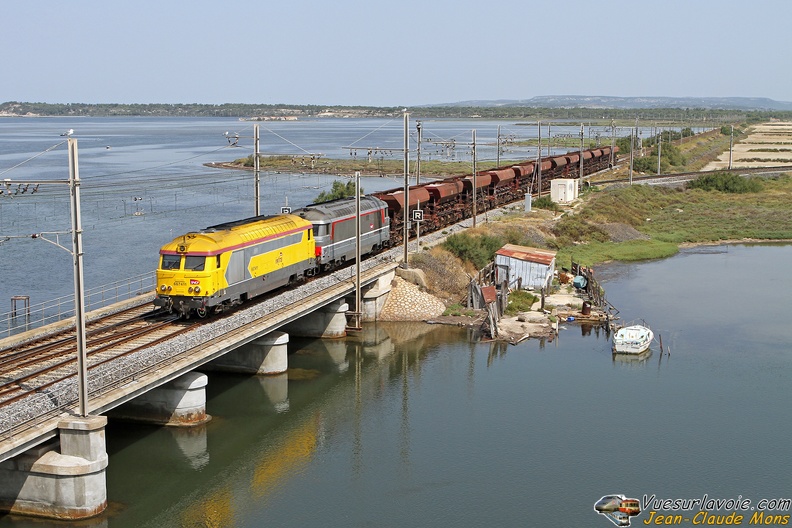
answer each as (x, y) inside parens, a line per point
(194, 263)
(171, 262)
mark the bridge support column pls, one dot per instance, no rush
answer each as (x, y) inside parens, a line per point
(374, 296)
(69, 484)
(266, 355)
(326, 322)
(181, 402)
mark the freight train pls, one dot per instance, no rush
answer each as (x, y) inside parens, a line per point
(218, 267)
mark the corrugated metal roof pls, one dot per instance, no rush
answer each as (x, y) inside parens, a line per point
(528, 254)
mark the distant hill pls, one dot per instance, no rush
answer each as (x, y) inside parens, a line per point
(596, 101)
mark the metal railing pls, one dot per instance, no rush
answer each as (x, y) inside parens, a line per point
(34, 316)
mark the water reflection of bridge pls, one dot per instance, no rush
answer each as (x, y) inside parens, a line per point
(222, 476)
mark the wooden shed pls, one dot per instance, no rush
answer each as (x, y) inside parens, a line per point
(524, 267)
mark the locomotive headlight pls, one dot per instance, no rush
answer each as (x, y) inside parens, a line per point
(189, 290)
(197, 289)
(162, 288)
(170, 288)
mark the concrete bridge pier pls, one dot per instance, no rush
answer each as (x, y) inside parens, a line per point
(181, 402)
(373, 296)
(69, 484)
(326, 322)
(266, 355)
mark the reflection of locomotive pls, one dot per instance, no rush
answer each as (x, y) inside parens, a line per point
(229, 263)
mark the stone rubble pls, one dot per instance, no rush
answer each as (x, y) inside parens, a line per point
(406, 302)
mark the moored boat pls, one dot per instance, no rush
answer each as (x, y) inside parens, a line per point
(633, 339)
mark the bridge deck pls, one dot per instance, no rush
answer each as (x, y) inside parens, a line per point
(34, 420)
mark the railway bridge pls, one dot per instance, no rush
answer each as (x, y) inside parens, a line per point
(52, 460)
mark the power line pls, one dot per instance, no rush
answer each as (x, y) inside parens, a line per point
(33, 157)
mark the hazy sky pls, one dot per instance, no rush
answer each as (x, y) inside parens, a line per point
(389, 53)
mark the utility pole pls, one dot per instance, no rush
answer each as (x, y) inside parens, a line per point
(497, 154)
(475, 209)
(731, 146)
(581, 152)
(79, 298)
(256, 167)
(539, 160)
(659, 148)
(406, 212)
(358, 307)
(632, 147)
(418, 155)
(613, 142)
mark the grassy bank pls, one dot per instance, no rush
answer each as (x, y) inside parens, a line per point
(670, 217)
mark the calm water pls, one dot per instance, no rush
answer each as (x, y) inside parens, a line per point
(144, 182)
(420, 427)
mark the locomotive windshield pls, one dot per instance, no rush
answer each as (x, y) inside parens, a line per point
(194, 263)
(171, 262)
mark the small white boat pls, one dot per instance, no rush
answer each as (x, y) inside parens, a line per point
(633, 339)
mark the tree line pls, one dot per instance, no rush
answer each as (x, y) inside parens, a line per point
(252, 111)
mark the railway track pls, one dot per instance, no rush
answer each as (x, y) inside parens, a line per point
(35, 366)
(681, 177)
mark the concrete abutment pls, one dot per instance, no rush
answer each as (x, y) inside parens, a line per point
(61, 479)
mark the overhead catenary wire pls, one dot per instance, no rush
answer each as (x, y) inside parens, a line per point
(53, 147)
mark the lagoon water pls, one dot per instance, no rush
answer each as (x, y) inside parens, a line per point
(416, 425)
(419, 426)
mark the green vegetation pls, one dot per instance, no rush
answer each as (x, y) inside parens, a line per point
(378, 165)
(338, 190)
(726, 182)
(670, 217)
(593, 116)
(457, 310)
(520, 301)
(630, 251)
(671, 160)
(479, 250)
(688, 153)
(571, 229)
(545, 203)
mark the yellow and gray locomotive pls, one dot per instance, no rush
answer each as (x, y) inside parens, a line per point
(229, 263)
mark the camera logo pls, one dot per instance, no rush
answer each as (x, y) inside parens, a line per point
(618, 509)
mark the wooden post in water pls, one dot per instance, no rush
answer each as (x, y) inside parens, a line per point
(661, 343)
